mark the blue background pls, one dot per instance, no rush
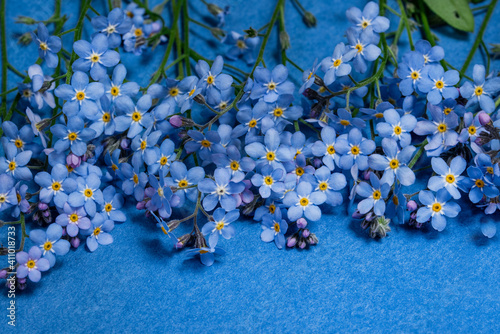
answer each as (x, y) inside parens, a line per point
(412, 281)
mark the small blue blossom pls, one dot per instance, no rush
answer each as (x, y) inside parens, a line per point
(274, 228)
(136, 117)
(31, 264)
(397, 127)
(303, 202)
(325, 148)
(50, 242)
(113, 202)
(213, 82)
(329, 183)
(98, 234)
(368, 18)
(116, 24)
(269, 180)
(206, 253)
(482, 90)
(438, 83)
(104, 120)
(241, 46)
(115, 87)
(73, 219)
(309, 76)
(479, 185)
(204, 144)
(8, 196)
(410, 72)
(134, 180)
(221, 225)
(270, 85)
(144, 147)
(449, 177)
(55, 185)
(343, 121)
(15, 162)
(436, 208)
(472, 128)
(74, 136)
(164, 158)
(95, 56)
(136, 13)
(431, 54)
(363, 49)
(220, 190)
(336, 65)
(160, 200)
(233, 160)
(271, 152)
(374, 193)
(185, 181)
(354, 149)
(48, 46)
(87, 194)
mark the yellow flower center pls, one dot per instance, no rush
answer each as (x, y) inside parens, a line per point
(355, 150)
(442, 127)
(44, 46)
(182, 183)
(80, 96)
(160, 192)
(30, 264)
(415, 75)
(478, 91)
(144, 144)
(450, 178)
(12, 165)
(377, 194)
(163, 161)
(436, 207)
(299, 171)
(94, 58)
(395, 200)
(330, 149)
(138, 32)
(479, 183)
(277, 227)
(272, 208)
(106, 117)
(271, 86)
(394, 163)
(489, 170)
(115, 91)
(268, 180)
(337, 62)
(397, 130)
(472, 129)
(439, 84)
(252, 123)
(304, 201)
(310, 75)
(73, 217)
(359, 48)
(345, 122)
(270, 156)
(108, 207)
(220, 225)
(234, 165)
(379, 115)
(136, 116)
(114, 167)
(210, 79)
(174, 91)
(26, 93)
(135, 178)
(56, 186)
(240, 44)
(192, 91)
(47, 246)
(323, 186)
(97, 231)
(19, 198)
(205, 143)
(88, 192)
(365, 24)
(72, 136)
(278, 112)
(19, 143)
(2, 198)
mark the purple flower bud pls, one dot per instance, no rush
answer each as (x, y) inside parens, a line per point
(21, 280)
(366, 175)
(73, 160)
(64, 233)
(306, 233)
(411, 205)
(176, 121)
(357, 215)
(291, 242)
(179, 245)
(75, 242)
(302, 244)
(369, 216)
(140, 205)
(46, 213)
(3, 274)
(301, 223)
(484, 118)
(317, 163)
(125, 143)
(42, 206)
(21, 286)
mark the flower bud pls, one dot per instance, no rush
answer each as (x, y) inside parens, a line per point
(75, 242)
(310, 19)
(302, 244)
(125, 143)
(199, 99)
(413, 215)
(411, 205)
(73, 160)
(317, 163)
(21, 280)
(484, 118)
(301, 223)
(251, 32)
(306, 233)
(291, 242)
(357, 215)
(366, 175)
(140, 205)
(42, 206)
(284, 40)
(25, 20)
(46, 213)
(25, 39)
(3, 274)
(175, 121)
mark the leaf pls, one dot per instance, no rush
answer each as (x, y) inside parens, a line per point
(158, 9)
(456, 13)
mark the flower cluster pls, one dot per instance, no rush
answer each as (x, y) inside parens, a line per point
(260, 152)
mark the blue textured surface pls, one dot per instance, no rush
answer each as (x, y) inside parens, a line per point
(412, 281)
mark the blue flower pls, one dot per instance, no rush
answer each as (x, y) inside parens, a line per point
(95, 56)
(8, 196)
(50, 242)
(136, 13)
(337, 65)
(482, 90)
(220, 225)
(74, 219)
(343, 121)
(98, 234)
(241, 46)
(274, 228)
(393, 163)
(55, 185)
(449, 177)
(87, 194)
(34, 119)
(204, 145)
(329, 183)
(309, 76)
(472, 128)
(368, 18)
(161, 198)
(410, 72)
(135, 40)
(397, 127)
(164, 227)
(80, 95)
(362, 48)
(31, 264)
(282, 110)
(115, 88)
(270, 85)
(206, 253)
(374, 194)
(36, 89)
(303, 202)
(48, 46)
(104, 120)
(250, 120)
(213, 82)
(431, 54)
(491, 170)
(325, 148)
(232, 160)
(164, 158)
(442, 128)
(436, 208)
(184, 180)
(377, 113)
(190, 88)
(479, 185)
(269, 180)
(451, 105)
(23, 205)
(116, 24)
(136, 117)
(73, 136)
(220, 190)
(144, 147)
(113, 202)
(438, 83)
(271, 152)
(354, 149)
(22, 139)
(15, 163)
(134, 180)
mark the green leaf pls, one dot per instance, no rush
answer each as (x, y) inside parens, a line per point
(456, 13)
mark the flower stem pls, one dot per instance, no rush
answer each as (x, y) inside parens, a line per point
(417, 155)
(479, 36)
(407, 24)
(78, 36)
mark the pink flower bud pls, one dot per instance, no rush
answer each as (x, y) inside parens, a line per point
(125, 143)
(484, 118)
(73, 160)
(301, 223)
(140, 205)
(176, 121)
(42, 206)
(75, 242)
(291, 242)
(411, 205)
(306, 233)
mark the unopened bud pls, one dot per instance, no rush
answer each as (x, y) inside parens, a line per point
(25, 20)
(301, 223)
(140, 205)
(199, 99)
(25, 39)
(124, 143)
(284, 40)
(291, 242)
(218, 33)
(251, 32)
(73, 160)
(75, 242)
(484, 118)
(42, 206)
(175, 121)
(214, 9)
(3, 274)
(310, 19)
(411, 205)
(306, 233)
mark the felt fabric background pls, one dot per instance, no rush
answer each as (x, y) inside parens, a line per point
(411, 281)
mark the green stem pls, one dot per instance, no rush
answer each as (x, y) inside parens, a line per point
(407, 24)
(185, 29)
(178, 44)
(9, 91)
(479, 36)
(16, 71)
(417, 155)
(427, 29)
(282, 29)
(78, 36)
